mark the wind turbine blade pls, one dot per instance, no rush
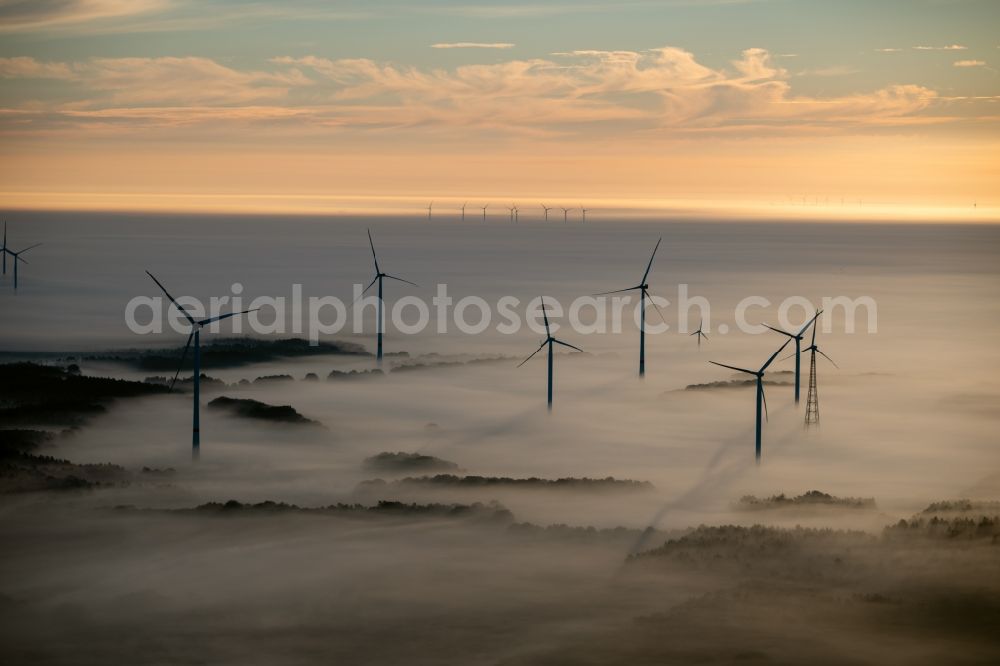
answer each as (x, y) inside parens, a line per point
(365, 290)
(703, 334)
(733, 367)
(617, 291)
(763, 397)
(225, 316)
(809, 323)
(532, 354)
(657, 308)
(29, 248)
(183, 356)
(546, 317)
(778, 330)
(17, 257)
(372, 243)
(566, 344)
(393, 277)
(813, 343)
(774, 355)
(650, 264)
(785, 358)
(829, 359)
(172, 299)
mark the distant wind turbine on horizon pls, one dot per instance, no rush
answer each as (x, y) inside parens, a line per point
(761, 398)
(430, 210)
(584, 211)
(546, 209)
(798, 343)
(463, 210)
(195, 336)
(3, 248)
(512, 208)
(549, 340)
(643, 288)
(379, 275)
(566, 212)
(484, 211)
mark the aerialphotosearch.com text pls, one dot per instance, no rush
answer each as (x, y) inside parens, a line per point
(318, 316)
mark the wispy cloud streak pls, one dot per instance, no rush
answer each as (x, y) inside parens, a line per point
(663, 90)
(473, 45)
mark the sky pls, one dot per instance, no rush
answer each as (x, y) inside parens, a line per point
(795, 106)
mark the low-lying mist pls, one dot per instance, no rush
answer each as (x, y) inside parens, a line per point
(612, 529)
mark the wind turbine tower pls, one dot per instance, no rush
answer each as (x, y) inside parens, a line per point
(549, 340)
(700, 333)
(812, 398)
(430, 210)
(194, 336)
(544, 207)
(798, 344)
(379, 275)
(643, 289)
(566, 212)
(761, 398)
(16, 257)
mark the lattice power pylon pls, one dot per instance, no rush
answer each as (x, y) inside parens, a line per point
(812, 399)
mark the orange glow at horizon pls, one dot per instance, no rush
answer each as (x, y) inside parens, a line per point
(835, 178)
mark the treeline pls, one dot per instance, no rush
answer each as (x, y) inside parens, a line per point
(474, 481)
(810, 498)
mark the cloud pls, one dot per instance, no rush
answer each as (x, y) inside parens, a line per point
(473, 45)
(969, 63)
(124, 87)
(833, 70)
(950, 47)
(664, 90)
(888, 50)
(23, 15)
(29, 68)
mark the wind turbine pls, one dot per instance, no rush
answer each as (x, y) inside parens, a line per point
(16, 256)
(761, 399)
(812, 399)
(549, 340)
(3, 250)
(584, 211)
(517, 214)
(700, 333)
(196, 326)
(430, 210)
(378, 278)
(566, 213)
(798, 343)
(546, 209)
(484, 211)
(463, 210)
(643, 288)
(511, 209)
